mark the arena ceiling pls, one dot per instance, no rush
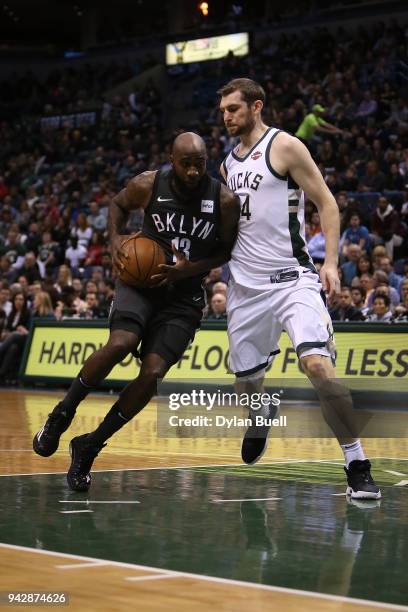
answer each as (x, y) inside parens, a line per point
(61, 23)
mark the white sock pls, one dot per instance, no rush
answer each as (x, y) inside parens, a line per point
(352, 452)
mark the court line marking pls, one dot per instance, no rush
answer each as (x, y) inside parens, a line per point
(141, 469)
(150, 577)
(74, 511)
(205, 578)
(172, 467)
(219, 501)
(192, 467)
(94, 501)
(392, 458)
(81, 565)
(401, 483)
(394, 473)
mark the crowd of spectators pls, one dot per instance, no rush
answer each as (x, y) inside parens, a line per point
(56, 180)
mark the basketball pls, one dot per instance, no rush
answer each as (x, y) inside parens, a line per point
(140, 257)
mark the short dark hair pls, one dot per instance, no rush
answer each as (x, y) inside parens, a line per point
(251, 91)
(361, 291)
(384, 297)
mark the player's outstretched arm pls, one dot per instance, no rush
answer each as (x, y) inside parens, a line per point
(296, 160)
(136, 194)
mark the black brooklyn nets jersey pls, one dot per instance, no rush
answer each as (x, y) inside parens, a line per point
(190, 223)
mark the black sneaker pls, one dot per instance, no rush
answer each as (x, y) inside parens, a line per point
(46, 441)
(359, 480)
(255, 441)
(83, 454)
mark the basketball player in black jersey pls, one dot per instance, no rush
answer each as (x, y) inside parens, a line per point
(194, 218)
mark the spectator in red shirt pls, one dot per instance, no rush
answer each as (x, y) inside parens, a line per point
(386, 226)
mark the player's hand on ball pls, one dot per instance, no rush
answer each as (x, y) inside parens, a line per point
(173, 273)
(116, 250)
(329, 278)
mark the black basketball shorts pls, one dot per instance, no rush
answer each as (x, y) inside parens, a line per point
(164, 319)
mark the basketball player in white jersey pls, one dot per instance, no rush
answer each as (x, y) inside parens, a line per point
(274, 285)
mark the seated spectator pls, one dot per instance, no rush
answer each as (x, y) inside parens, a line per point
(14, 338)
(95, 250)
(358, 296)
(212, 277)
(32, 291)
(30, 268)
(317, 247)
(373, 180)
(106, 290)
(361, 153)
(13, 249)
(5, 303)
(395, 280)
(43, 306)
(106, 265)
(96, 219)
(64, 278)
(386, 226)
(380, 310)
(356, 233)
(314, 226)
(75, 254)
(378, 253)
(345, 310)
(82, 231)
(48, 251)
(6, 271)
(350, 267)
(220, 287)
(91, 287)
(364, 265)
(3, 321)
(368, 106)
(22, 281)
(91, 309)
(367, 283)
(394, 180)
(401, 311)
(381, 285)
(404, 289)
(70, 304)
(218, 306)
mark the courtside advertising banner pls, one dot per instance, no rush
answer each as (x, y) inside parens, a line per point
(56, 352)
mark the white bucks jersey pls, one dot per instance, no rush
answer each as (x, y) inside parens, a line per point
(271, 227)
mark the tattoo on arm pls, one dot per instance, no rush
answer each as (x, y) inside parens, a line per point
(117, 218)
(136, 194)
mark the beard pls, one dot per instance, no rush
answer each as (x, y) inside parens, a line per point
(245, 128)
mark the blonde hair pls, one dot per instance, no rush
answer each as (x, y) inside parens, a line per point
(43, 304)
(64, 275)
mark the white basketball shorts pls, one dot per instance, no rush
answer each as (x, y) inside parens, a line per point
(257, 317)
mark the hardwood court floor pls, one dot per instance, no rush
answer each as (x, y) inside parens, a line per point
(175, 524)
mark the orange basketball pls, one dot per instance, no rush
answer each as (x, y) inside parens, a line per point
(140, 257)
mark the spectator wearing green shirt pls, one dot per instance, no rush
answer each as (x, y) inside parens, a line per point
(314, 122)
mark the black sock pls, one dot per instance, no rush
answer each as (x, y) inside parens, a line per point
(112, 422)
(75, 394)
